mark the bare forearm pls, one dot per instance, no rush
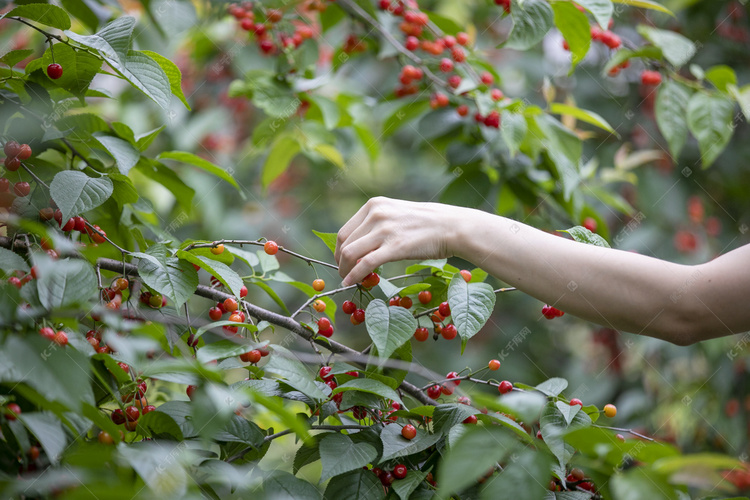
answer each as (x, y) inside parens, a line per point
(623, 290)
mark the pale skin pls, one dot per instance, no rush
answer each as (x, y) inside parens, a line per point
(623, 290)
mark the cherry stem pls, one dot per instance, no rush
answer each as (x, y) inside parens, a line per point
(309, 260)
(427, 312)
(100, 233)
(629, 431)
(34, 176)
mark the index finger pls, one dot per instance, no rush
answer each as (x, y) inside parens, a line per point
(347, 229)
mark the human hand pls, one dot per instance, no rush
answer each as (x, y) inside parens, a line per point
(387, 230)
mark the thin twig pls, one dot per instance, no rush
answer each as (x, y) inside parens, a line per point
(309, 260)
(629, 431)
(32, 174)
(103, 235)
(427, 312)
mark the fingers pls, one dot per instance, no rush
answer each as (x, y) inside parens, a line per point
(356, 248)
(347, 229)
(367, 264)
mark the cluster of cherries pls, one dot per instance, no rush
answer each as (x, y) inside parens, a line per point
(263, 25)
(551, 312)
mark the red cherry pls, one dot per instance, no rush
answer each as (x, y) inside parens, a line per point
(370, 281)
(12, 164)
(271, 247)
(505, 387)
(191, 390)
(47, 332)
(453, 375)
(494, 365)
(434, 391)
(54, 71)
(324, 324)
(230, 305)
(406, 302)
(649, 77)
(400, 471)
(11, 149)
(409, 432)
(412, 43)
(394, 301)
(421, 334)
(325, 373)
(243, 291)
(348, 307)
(21, 189)
(576, 401)
(318, 285)
(446, 65)
(454, 81)
(214, 313)
(466, 275)
(118, 417)
(496, 94)
(449, 331)
(425, 297)
(444, 309)
(251, 356)
(462, 38)
(590, 224)
(471, 419)
(332, 383)
(13, 410)
(359, 315)
(61, 338)
(132, 413)
(148, 409)
(462, 110)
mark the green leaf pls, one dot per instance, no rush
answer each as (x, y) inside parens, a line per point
(283, 150)
(742, 96)
(697, 463)
(284, 485)
(721, 77)
(395, 445)
(601, 10)
(330, 153)
(274, 97)
(677, 49)
(75, 192)
(170, 276)
(602, 444)
(159, 425)
(10, 261)
(222, 349)
(638, 483)
(552, 387)
(79, 68)
(43, 13)
(646, 4)
(283, 365)
(554, 425)
(388, 327)
(328, 238)
(622, 55)
(240, 430)
(330, 114)
(531, 21)
(406, 486)
(145, 140)
(371, 386)
(446, 416)
(47, 428)
(471, 456)
(402, 116)
(15, 56)
(112, 41)
(64, 282)
(146, 75)
(471, 306)
(583, 235)
(582, 114)
(574, 26)
(360, 484)
(525, 478)
(567, 411)
(125, 155)
(671, 115)
(225, 274)
(710, 119)
(82, 11)
(173, 73)
(513, 130)
(199, 162)
(339, 454)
